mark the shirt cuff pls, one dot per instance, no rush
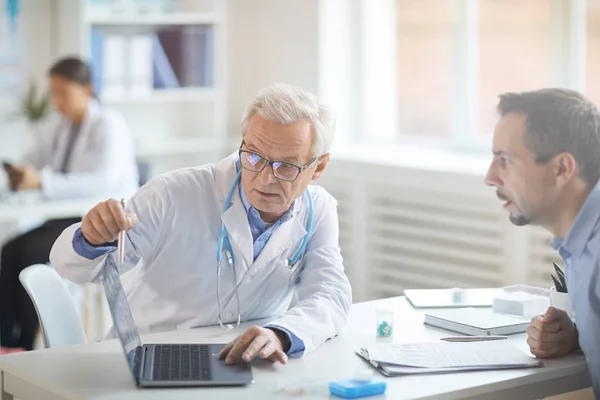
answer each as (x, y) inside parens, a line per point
(296, 344)
(88, 250)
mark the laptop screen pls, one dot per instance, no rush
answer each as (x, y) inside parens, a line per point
(119, 308)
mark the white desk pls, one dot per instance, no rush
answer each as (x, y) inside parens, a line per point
(99, 371)
(15, 210)
(22, 212)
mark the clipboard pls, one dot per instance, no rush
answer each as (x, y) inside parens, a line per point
(387, 365)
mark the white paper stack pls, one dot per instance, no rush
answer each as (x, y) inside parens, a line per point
(419, 358)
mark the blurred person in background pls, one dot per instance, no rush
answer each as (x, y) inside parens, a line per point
(85, 151)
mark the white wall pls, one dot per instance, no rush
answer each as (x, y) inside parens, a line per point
(38, 47)
(269, 41)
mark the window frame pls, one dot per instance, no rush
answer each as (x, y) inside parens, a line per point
(370, 102)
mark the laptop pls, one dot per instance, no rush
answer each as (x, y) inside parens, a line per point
(450, 298)
(166, 365)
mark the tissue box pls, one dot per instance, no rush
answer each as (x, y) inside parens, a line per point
(521, 300)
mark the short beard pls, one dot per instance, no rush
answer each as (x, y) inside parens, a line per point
(519, 220)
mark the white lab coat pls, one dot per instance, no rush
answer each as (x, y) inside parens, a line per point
(174, 285)
(102, 162)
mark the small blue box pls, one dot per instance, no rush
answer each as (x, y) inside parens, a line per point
(352, 388)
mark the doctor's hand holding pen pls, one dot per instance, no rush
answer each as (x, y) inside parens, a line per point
(103, 223)
(552, 334)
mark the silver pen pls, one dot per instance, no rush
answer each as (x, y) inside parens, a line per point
(473, 338)
(121, 241)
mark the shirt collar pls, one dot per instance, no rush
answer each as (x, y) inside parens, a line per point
(250, 209)
(583, 226)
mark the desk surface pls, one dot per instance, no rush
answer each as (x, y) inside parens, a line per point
(99, 371)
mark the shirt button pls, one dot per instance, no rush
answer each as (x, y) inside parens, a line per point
(568, 261)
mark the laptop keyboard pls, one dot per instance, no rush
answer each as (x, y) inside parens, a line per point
(181, 363)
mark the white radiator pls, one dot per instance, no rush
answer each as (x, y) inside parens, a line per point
(403, 228)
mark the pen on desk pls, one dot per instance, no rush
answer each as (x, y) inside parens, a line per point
(121, 241)
(473, 338)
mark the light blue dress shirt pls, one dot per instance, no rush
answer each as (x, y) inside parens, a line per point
(259, 229)
(580, 250)
(260, 235)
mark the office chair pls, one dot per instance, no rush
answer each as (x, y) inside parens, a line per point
(59, 321)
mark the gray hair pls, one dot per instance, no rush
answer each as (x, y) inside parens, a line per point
(559, 120)
(287, 104)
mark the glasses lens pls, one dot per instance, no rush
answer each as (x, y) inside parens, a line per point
(252, 162)
(285, 171)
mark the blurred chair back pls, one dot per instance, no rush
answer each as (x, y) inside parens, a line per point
(59, 321)
(143, 171)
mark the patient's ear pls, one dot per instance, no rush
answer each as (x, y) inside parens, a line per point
(565, 168)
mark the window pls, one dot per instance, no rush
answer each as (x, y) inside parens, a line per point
(593, 51)
(514, 52)
(425, 67)
(432, 70)
(502, 45)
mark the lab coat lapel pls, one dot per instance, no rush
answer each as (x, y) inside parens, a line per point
(59, 143)
(82, 139)
(286, 236)
(235, 218)
(238, 229)
(87, 126)
(284, 242)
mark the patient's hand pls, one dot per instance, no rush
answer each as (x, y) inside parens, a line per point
(255, 341)
(552, 334)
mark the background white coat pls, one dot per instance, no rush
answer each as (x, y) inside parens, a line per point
(102, 162)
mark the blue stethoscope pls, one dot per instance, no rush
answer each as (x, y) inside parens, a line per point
(224, 241)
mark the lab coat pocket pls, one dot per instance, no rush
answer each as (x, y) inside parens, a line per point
(296, 272)
(284, 276)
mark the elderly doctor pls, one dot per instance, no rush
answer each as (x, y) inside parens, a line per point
(253, 214)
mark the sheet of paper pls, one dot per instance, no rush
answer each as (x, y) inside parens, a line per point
(450, 355)
(393, 370)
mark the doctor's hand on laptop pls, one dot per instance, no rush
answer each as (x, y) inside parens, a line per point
(103, 223)
(552, 334)
(257, 341)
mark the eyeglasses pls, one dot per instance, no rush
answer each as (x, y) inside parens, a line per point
(281, 170)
